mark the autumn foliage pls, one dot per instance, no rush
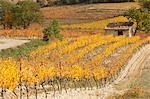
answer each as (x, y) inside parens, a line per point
(21, 33)
(69, 67)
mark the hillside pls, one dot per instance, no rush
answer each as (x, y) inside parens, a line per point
(96, 59)
(81, 13)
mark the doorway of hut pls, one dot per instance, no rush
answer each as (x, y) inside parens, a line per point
(120, 33)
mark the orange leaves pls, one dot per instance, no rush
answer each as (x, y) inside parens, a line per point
(100, 72)
(7, 17)
(65, 71)
(77, 72)
(96, 25)
(8, 73)
(39, 69)
(110, 49)
(116, 65)
(47, 48)
(22, 33)
(95, 43)
(30, 71)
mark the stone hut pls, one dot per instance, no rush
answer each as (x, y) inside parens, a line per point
(120, 28)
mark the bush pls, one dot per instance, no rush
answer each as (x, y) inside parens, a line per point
(146, 5)
(52, 31)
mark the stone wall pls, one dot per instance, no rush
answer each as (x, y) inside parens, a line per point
(115, 32)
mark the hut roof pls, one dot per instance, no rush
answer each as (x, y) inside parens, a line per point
(120, 24)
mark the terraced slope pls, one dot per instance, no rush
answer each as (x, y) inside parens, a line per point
(130, 73)
(89, 62)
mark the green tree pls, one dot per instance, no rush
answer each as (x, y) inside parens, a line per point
(26, 13)
(6, 14)
(147, 25)
(147, 5)
(52, 31)
(140, 17)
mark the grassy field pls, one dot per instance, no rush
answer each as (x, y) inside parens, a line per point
(23, 50)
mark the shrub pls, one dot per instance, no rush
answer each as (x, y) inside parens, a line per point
(52, 31)
(147, 4)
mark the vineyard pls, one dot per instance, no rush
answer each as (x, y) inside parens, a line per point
(96, 25)
(99, 26)
(75, 14)
(74, 49)
(67, 64)
(21, 33)
(38, 34)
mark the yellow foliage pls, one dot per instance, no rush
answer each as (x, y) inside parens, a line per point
(36, 70)
(100, 25)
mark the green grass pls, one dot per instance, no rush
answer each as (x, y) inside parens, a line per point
(23, 50)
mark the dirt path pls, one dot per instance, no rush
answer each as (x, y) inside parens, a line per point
(131, 71)
(135, 66)
(9, 43)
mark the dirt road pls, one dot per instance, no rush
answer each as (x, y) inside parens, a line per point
(9, 43)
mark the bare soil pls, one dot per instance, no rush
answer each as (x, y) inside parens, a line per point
(9, 43)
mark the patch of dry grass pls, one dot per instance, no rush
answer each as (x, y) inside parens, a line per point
(136, 92)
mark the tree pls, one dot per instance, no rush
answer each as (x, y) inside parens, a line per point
(140, 17)
(6, 14)
(25, 13)
(52, 31)
(147, 5)
(147, 25)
